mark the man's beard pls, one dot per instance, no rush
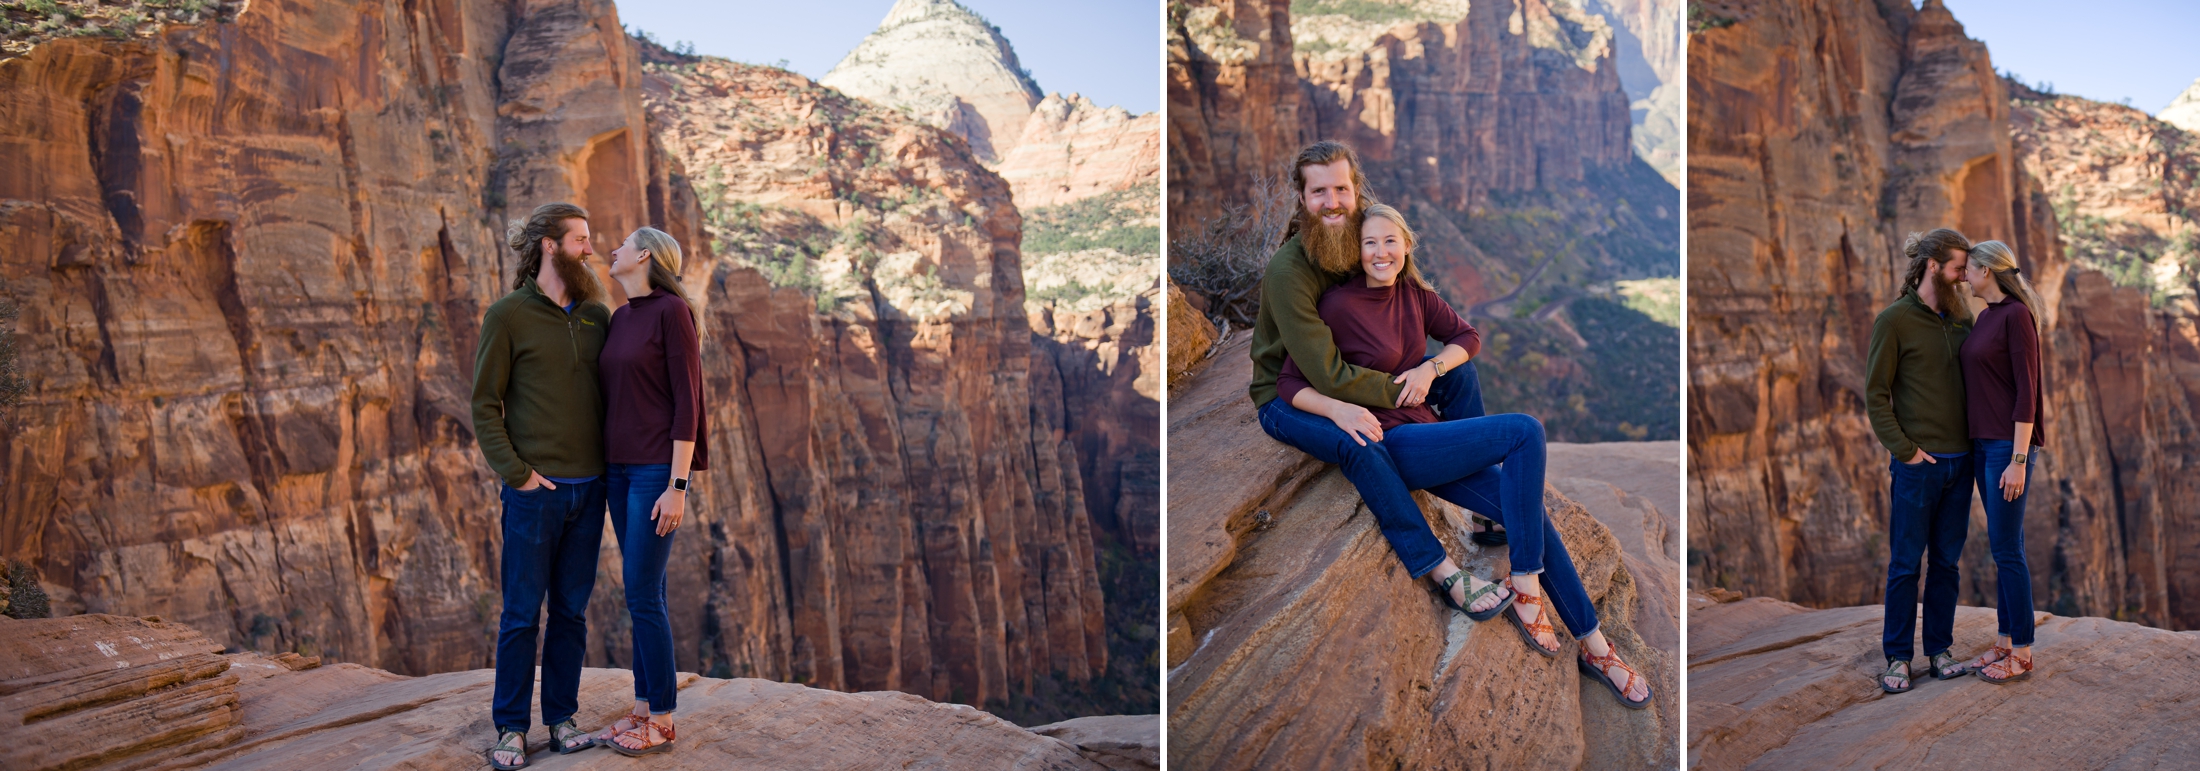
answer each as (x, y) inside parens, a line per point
(1333, 248)
(580, 282)
(1957, 304)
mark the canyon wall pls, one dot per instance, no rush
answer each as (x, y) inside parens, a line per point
(260, 251)
(1847, 125)
(1502, 131)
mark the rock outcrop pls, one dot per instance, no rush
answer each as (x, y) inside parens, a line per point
(118, 692)
(1296, 641)
(264, 248)
(1892, 122)
(2183, 111)
(949, 67)
(1501, 130)
(1071, 149)
(1775, 685)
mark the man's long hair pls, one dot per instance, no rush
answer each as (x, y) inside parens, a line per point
(551, 221)
(1928, 251)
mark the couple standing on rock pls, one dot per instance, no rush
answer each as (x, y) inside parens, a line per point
(1956, 400)
(1341, 370)
(575, 406)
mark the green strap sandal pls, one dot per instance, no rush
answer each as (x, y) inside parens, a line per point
(1945, 667)
(1896, 668)
(512, 742)
(564, 735)
(1443, 590)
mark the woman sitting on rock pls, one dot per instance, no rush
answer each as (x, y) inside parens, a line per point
(1381, 318)
(2001, 394)
(654, 431)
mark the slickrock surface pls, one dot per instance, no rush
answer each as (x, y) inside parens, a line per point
(265, 248)
(1895, 122)
(244, 711)
(949, 67)
(1296, 640)
(1774, 685)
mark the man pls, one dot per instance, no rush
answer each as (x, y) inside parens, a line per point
(539, 419)
(1914, 395)
(1322, 248)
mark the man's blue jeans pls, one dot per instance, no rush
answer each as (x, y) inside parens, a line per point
(2005, 531)
(643, 553)
(1457, 460)
(550, 543)
(1929, 513)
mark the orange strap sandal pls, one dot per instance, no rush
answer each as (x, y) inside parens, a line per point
(643, 734)
(1600, 667)
(632, 719)
(2008, 670)
(1985, 660)
(1530, 630)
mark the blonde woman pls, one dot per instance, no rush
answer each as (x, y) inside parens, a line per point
(2001, 389)
(1381, 317)
(655, 433)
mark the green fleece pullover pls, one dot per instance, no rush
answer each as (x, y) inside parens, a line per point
(536, 405)
(1290, 324)
(1914, 391)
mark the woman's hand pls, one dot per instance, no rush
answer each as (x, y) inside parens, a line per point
(2012, 482)
(1417, 381)
(670, 508)
(1356, 421)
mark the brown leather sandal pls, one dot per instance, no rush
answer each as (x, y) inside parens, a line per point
(1530, 630)
(1600, 667)
(643, 733)
(1984, 660)
(2007, 670)
(631, 720)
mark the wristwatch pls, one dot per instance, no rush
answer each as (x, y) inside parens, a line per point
(2017, 459)
(1439, 365)
(680, 484)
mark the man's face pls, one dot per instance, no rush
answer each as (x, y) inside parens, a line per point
(1952, 270)
(1328, 194)
(574, 246)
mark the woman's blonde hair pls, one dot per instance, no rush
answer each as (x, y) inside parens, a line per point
(1391, 215)
(664, 266)
(2001, 264)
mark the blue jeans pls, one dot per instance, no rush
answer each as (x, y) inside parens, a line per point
(2005, 531)
(634, 491)
(1456, 460)
(550, 543)
(1929, 512)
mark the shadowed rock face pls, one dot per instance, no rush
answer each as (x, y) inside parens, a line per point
(114, 691)
(1297, 641)
(1848, 126)
(1775, 685)
(265, 248)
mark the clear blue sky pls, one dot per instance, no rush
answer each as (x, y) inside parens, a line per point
(1108, 50)
(2105, 50)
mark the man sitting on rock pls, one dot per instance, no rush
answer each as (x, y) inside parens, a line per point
(539, 418)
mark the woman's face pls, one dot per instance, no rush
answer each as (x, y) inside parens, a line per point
(1976, 276)
(629, 260)
(1382, 251)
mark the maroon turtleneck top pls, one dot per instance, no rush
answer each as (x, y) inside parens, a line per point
(2001, 373)
(1385, 328)
(652, 380)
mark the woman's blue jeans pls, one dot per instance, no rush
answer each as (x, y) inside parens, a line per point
(642, 552)
(1491, 465)
(2005, 532)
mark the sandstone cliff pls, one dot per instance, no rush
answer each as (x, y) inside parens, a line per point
(1650, 47)
(118, 692)
(1501, 130)
(949, 67)
(1295, 640)
(1850, 125)
(264, 247)
(1072, 149)
(2184, 111)
(1774, 685)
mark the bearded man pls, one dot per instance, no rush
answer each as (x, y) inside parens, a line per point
(539, 419)
(1914, 395)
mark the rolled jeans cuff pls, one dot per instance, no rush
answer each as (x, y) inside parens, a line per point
(1535, 572)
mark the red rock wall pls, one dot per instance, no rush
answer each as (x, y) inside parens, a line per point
(1233, 104)
(261, 252)
(1845, 126)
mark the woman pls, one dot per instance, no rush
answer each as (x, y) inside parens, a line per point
(2001, 390)
(654, 430)
(1382, 322)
